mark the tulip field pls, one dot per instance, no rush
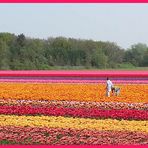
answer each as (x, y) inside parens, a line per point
(71, 108)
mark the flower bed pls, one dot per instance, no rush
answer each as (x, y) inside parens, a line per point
(60, 136)
(72, 92)
(76, 73)
(74, 81)
(76, 104)
(74, 123)
(73, 114)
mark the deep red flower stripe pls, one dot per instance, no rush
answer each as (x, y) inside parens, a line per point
(75, 112)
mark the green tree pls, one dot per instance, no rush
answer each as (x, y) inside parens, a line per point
(145, 59)
(21, 40)
(99, 59)
(136, 54)
(113, 53)
(4, 55)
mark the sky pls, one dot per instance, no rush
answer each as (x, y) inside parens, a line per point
(124, 24)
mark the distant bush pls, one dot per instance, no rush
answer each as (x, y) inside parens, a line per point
(126, 66)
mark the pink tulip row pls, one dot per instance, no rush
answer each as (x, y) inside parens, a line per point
(76, 104)
(77, 73)
(58, 136)
(75, 112)
(73, 81)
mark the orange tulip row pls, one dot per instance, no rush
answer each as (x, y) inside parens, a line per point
(72, 92)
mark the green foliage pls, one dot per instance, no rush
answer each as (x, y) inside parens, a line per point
(4, 55)
(145, 59)
(21, 53)
(126, 66)
(137, 55)
(4, 142)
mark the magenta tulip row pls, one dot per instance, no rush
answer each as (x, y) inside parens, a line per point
(75, 112)
(58, 136)
(77, 73)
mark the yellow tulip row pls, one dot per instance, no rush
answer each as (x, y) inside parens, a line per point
(73, 123)
(76, 92)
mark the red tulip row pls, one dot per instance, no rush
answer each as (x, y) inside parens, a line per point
(58, 136)
(77, 104)
(75, 112)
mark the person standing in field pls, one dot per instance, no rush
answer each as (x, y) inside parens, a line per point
(109, 86)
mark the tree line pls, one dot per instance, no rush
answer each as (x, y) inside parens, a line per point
(18, 52)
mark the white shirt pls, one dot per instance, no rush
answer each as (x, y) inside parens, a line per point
(109, 85)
